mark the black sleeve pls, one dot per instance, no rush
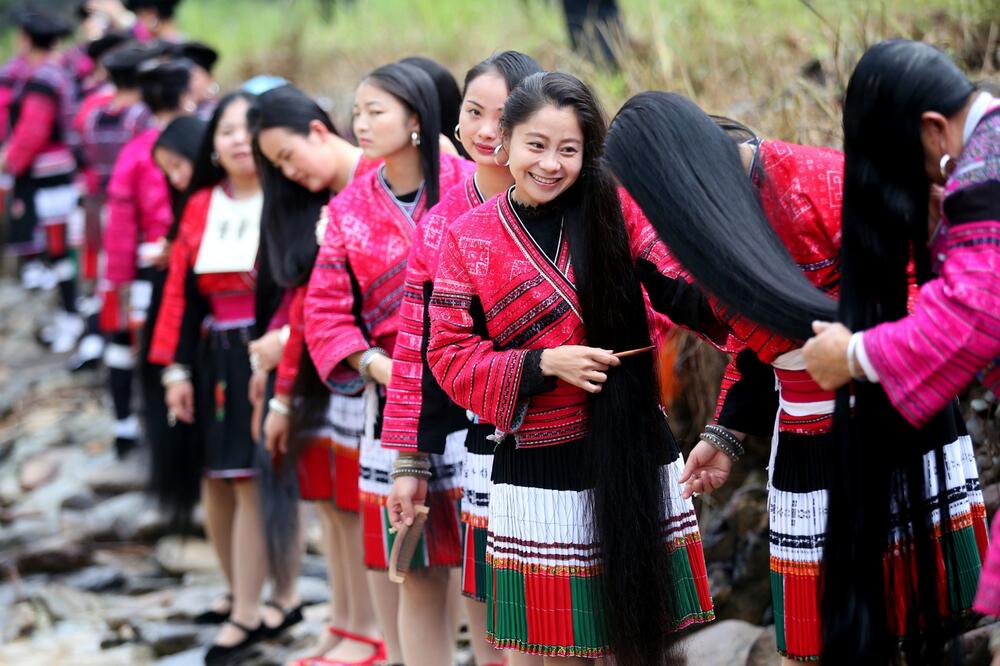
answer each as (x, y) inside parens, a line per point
(751, 403)
(682, 301)
(196, 308)
(533, 381)
(439, 416)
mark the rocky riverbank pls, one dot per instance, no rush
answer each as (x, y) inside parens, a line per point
(90, 576)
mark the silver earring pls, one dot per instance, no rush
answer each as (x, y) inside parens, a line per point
(496, 154)
(946, 165)
(458, 137)
(215, 158)
(415, 139)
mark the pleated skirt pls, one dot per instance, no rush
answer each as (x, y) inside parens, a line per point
(441, 544)
(797, 509)
(328, 467)
(223, 409)
(476, 471)
(544, 591)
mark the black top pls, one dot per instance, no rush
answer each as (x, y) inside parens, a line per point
(543, 223)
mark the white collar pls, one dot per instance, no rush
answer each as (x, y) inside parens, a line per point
(976, 113)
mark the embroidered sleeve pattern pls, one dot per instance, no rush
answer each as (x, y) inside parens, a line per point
(332, 304)
(468, 368)
(924, 359)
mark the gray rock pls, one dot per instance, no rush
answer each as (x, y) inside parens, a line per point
(56, 554)
(25, 530)
(725, 642)
(170, 638)
(178, 555)
(101, 578)
(119, 477)
(765, 650)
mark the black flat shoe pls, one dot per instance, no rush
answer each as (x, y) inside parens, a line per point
(289, 618)
(213, 616)
(218, 655)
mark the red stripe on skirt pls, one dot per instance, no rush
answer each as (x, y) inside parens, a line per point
(548, 609)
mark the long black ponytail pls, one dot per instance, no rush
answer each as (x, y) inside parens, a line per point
(880, 456)
(449, 96)
(289, 215)
(415, 89)
(690, 182)
(629, 440)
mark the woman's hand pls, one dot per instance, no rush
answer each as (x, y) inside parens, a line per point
(380, 369)
(276, 427)
(180, 400)
(705, 470)
(407, 492)
(255, 393)
(268, 349)
(321, 224)
(826, 355)
(584, 367)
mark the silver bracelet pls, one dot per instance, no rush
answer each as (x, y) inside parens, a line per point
(174, 373)
(366, 359)
(278, 406)
(284, 333)
(852, 367)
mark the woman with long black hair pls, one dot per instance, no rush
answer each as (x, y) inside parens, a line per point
(766, 249)
(419, 416)
(352, 312)
(912, 121)
(592, 550)
(303, 161)
(213, 272)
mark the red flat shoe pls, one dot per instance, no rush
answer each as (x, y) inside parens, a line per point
(379, 653)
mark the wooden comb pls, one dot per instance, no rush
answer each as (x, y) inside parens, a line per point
(405, 544)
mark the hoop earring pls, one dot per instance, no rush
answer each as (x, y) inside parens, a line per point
(415, 139)
(458, 137)
(496, 153)
(215, 158)
(946, 165)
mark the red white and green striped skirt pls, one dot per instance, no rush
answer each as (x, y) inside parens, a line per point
(328, 465)
(476, 471)
(441, 545)
(545, 587)
(797, 509)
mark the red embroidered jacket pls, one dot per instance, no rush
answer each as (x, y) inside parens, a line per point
(418, 413)
(802, 196)
(189, 298)
(489, 264)
(357, 283)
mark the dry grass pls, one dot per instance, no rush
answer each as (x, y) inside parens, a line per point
(778, 65)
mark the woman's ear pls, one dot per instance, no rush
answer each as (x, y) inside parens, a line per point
(934, 134)
(318, 130)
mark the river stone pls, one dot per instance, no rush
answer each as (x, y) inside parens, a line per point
(56, 554)
(725, 642)
(179, 555)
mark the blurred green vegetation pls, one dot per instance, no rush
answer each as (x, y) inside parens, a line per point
(778, 65)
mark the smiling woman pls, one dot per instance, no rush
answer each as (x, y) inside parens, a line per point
(533, 291)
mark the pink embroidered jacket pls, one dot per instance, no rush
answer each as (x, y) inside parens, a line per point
(138, 207)
(418, 413)
(357, 283)
(953, 333)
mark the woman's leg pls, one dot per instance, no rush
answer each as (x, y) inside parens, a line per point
(249, 561)
(427, 635)
(361, 604)
(484, 652)
(220, 509)
(286, 593)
